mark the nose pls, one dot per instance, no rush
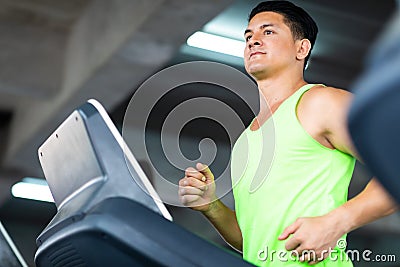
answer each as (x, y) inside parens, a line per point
(254, 41)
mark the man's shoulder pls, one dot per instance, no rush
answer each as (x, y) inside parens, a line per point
(321, 105)
(325, 96)
(321, 91)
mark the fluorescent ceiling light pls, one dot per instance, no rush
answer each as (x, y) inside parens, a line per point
(216, 43)
(32, 188)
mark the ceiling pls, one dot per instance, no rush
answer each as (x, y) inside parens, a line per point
(54, 55)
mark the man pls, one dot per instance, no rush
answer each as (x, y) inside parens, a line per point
(303, 194)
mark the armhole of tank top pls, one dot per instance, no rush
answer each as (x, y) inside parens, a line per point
(309, 136)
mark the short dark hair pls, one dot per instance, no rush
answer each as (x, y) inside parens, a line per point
(298, 20)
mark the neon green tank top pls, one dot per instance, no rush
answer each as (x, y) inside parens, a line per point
(280, 173)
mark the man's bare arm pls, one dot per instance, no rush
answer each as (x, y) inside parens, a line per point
(371, 204)
(224, 220)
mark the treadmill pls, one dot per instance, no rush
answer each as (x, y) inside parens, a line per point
(108, 213)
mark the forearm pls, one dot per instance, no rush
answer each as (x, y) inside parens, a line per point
(371, 204)
(224, 220)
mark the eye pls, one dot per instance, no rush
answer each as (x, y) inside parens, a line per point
(247, 38)
(268, 32)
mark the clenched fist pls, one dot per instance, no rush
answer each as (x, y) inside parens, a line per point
(197, 188)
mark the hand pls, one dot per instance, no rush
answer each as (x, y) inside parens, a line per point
(316, 234)
(197, 188)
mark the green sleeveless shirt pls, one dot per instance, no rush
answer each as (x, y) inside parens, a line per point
(280, 173)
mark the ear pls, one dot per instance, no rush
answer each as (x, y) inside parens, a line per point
(303, 49)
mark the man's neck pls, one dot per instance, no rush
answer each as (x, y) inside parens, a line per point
(273, 91)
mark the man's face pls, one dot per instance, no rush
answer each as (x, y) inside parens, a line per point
(270, 47)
